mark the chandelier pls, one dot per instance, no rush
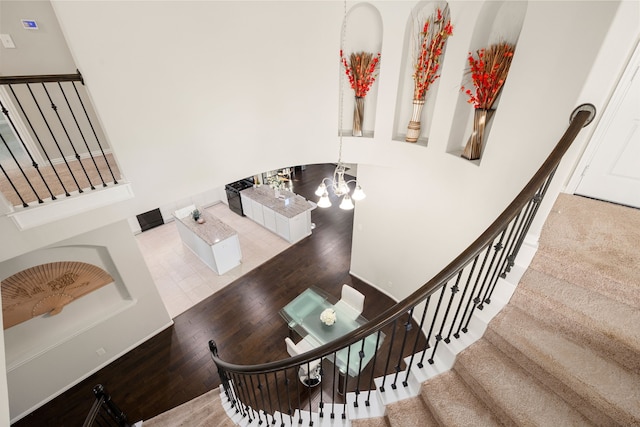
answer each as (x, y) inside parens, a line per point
(340, 188)
(338, 184)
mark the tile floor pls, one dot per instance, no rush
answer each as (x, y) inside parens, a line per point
(182, 279)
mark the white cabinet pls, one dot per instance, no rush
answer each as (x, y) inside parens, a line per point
(269, 219)
(288, 216)
(213, 241)
(299, 226)
(257, 212)
(247, 206)
(282, 227)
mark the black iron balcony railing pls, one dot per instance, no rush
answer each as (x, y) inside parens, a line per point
(50, 142)
(441, 310)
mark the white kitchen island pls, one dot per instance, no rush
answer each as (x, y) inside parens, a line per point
(213, 241)
(288, 216)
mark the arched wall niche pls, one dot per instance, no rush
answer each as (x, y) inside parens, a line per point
(361, 32)
(28, 339)
(404, 101)
(497, 21)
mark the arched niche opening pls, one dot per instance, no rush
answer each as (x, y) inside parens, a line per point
(67, 290)
(361, 32)
(497, 22)
(405, 111)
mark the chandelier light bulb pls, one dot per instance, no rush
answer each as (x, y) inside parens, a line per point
(324, 201)
(358, 194)
(347, 203)
(322, 189)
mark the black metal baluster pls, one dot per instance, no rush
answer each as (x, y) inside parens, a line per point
(269, 398)
(277, 387)
(414, 350)
(24, 204)
(255, 398)
(262, 397)
(373, 370)
(386, 366)
(470, 301)
(476, 300)
(426, 344)
(497, 248)
(461, 302)
(433, 322)
(454, 291)
(407, 327)
(55, 140)
(54, 107)
(357, 391)
(321, 403)
(115, 181)
(247, 396)
(86, 144)
(504, 257)
(308, 386)
(242, 390)
(33, 162)
(501, 262)
(511, 258)
(335, 385)
(535, 201)
(346, 383)
(237, 391)
(35, 134)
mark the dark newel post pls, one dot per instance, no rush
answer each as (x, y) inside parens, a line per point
(224, 379)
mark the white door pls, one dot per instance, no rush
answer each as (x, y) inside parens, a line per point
(613, 172)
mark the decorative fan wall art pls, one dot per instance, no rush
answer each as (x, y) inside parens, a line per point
(47, 288)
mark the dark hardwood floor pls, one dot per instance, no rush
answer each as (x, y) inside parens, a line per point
(175, 366)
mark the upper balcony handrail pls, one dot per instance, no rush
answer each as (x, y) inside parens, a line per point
(42, 78)
(581, 117)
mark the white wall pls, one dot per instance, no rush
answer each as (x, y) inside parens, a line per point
(196, 94)
(424, 206)
(39, 369)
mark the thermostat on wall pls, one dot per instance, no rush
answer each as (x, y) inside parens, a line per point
(29, 24)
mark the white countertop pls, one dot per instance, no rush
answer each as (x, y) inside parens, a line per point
(212, 231)
(288, 205)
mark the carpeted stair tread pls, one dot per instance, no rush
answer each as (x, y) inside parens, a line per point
(593, 243)
(410, 412)
(453, 404)
(587, 276)
(203, 411)
(590, 318)
(370, 422)
(601, 382)
(515, 397)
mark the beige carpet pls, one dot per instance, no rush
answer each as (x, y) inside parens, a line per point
(203, 411)
(564, 352)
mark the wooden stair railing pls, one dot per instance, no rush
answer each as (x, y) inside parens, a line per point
(441, 309)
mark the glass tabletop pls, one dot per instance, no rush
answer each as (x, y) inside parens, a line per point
(303, 315)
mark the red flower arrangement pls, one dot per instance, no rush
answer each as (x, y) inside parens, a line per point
(433, 37)
(488, 73)
(360, 71)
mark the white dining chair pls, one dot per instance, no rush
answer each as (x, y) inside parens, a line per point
(309, 373)
(351, 301)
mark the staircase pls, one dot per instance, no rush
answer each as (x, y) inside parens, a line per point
(565, 350)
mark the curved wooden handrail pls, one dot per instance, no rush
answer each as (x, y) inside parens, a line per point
(580, 118)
